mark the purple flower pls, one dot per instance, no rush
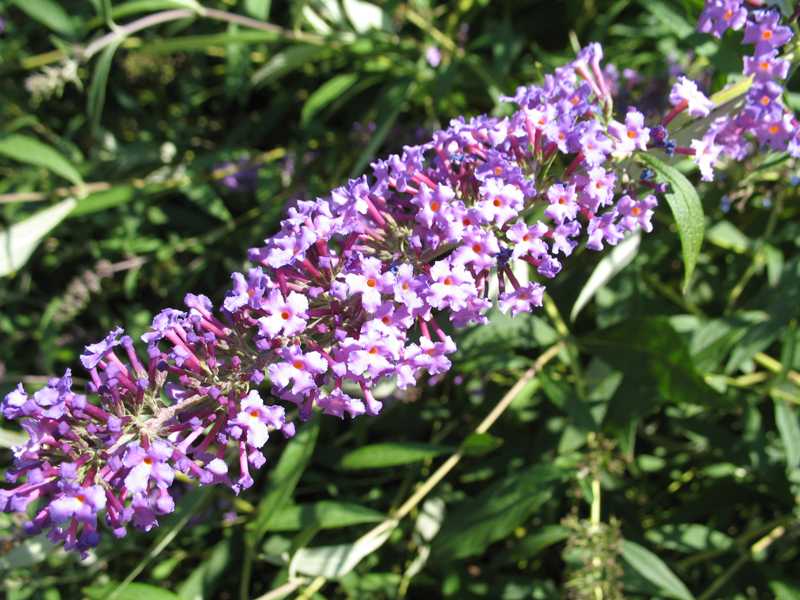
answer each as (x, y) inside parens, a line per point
(284, 316)
(631, 136)
(636, 215)
(766, 66)
(500, 201)
(94, 353)
(255, 419)
(297, 369)
(721, 15)
(765, 31)
(81, 503)
(433, 55)
(521, 299)
(370, 282)
(146, 465)
(563, 205)
(686, 93)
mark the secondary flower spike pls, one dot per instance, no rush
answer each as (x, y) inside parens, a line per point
(354, 289)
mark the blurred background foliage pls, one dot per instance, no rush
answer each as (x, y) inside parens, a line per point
(131, 175)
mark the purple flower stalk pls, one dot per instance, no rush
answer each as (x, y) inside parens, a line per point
(763, 118)
(353, 290)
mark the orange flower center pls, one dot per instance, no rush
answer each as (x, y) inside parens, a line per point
(285, 315)
(373, 350)
(766, 34)
(147, 460)
(765, 100)
(764, 66)
(498, 170)
(497, 202)
(254, 413)
(631, 134)
(562, 200)
(636, 211)
(526, 238)
(476, 248)
(298, 364)
(774, 129)
(728, 15)
(371, 282)
(435, 206)
(448, 281)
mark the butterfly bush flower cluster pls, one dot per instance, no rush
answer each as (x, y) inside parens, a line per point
(762, 121)
(355, 288)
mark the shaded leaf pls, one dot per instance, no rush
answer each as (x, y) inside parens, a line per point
(26, 149)
(284, 478)
(325, 94)
(789, 429)
(652, 568)
(689, 537)
(286, 61)
(50, 14)
(620, 257)
(326, 514)
(389, 454)
(206, 577)
(133, 591)
(96, 96)
(475, 523)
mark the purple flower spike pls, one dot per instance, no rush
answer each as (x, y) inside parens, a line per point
(94, 353)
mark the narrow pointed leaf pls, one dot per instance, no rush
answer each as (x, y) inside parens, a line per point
(652, 568)
(687, 210)
(26, 149)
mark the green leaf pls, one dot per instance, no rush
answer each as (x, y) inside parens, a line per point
(537, 541)
(689, 538)
(789, 429)
(475, 523)
(25, 149)
(687, 210)
(780, 304)
(665, 13)
(99, 201)
(27, 553)
(389, 454)
(620, 257)
(50, 14)
(283, 479)
(188, 507)
(334, 562)
(326, 514)
(364, 16)
(728, 237)
(206, 578)
(286, 61)
(388, 108)
(325, 94)
(18, 242)
(785, 589)
(478, 444)
(133, 591)
(652, 568)
(96, 96)
(258, 9)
